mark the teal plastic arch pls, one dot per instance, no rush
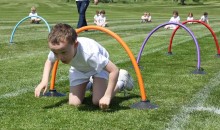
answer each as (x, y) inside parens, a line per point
(16, 26)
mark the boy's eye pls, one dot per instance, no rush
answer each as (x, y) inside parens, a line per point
(63, 52)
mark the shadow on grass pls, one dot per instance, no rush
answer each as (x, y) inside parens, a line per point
(88, 106)
(114, 106)
(58, 104)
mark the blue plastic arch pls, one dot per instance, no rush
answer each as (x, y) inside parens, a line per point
(154, 30)
(13, 32)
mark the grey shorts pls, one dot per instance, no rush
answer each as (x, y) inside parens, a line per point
(76, 77)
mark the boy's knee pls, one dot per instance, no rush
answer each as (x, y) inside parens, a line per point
(75, 103)
(74, 100)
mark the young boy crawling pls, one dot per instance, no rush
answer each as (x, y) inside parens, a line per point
(87, 58)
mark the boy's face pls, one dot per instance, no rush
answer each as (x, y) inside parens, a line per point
(102, 14)
(64, 51)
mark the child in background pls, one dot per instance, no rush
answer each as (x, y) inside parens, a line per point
(96, 16)
(149, 17)
(204, 18)
(87, 58)
(190, 17)
(146, 17)
(101, 20)
(33, 15)
(175, 18)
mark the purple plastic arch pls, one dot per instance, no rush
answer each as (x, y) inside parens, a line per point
(155, 29)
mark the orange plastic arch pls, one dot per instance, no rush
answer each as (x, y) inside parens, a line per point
(132, 58)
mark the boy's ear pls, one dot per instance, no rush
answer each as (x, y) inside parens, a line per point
(76, 43)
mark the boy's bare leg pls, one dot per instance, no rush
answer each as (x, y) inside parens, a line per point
(98, 89)
(77, 94)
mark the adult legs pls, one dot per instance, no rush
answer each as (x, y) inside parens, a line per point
(82, 7)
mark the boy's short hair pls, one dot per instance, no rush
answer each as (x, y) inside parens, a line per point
(102, 12)
(205, 13)
(97, 11)
(190, 14)
(33, 8)
(176, 12)
(62, 32)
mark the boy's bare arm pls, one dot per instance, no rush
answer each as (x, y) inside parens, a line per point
(45, 78)
(113, 77)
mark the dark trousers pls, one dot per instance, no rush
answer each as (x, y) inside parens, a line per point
(82, 6)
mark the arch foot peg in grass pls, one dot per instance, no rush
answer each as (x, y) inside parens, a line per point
(169, 53)
(199, 71)
(53, 93)
(218, 55)
(144, 105)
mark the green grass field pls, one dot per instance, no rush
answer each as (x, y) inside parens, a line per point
(185, 100)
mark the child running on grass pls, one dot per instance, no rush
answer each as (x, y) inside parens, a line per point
(87, 58)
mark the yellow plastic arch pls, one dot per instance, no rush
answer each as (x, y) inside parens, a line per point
(132, 58)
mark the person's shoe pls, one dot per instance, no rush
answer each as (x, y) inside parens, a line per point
(89, 85)
(127, 79)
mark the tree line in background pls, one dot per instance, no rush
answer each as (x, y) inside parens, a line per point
(182, 2)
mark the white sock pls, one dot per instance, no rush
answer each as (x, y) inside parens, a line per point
(120, 84)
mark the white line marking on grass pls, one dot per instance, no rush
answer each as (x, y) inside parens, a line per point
(26, 89)
(209, 109)
(179, 120)
(16, 93)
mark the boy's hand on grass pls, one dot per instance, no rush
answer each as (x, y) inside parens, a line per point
(104, 103)
(39, 88)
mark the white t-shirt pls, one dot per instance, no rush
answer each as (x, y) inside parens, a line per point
(101, 19)
(189, 18)
(33, 15)
(144, 17)
(96, 17)
(204, 19)
(175, 20)
(91, 58)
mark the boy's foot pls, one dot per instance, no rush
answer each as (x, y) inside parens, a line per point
(127, 79)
